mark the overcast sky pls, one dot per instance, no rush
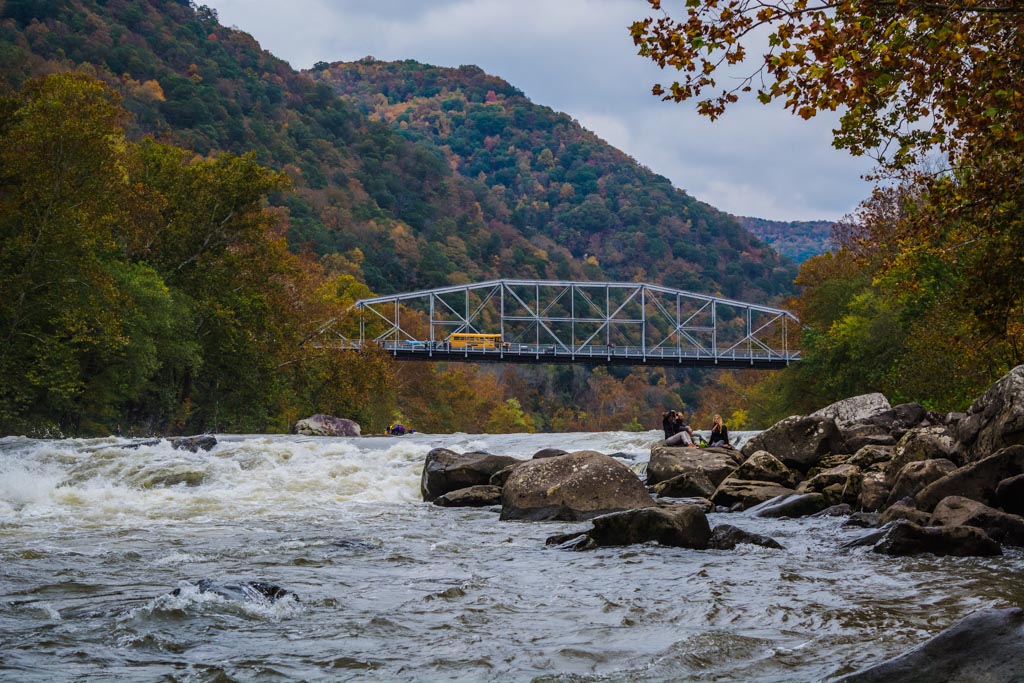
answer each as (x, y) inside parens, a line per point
(577, 56)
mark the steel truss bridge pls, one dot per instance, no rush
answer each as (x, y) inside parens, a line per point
(591, 323)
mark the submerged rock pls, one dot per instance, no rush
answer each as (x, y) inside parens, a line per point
(246, 591)
(572, 487)
(986, 647)
(727, 537)
(194, 444)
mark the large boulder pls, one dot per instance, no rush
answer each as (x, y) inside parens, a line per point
(856, 409)
(668, 462)
(996, 419)
(860, 435)
(576, 486)
(915, 476)
(799, 442)
(445, 471)
(471, 497)
(326, 425)
(986, 647)
(922, 443)
(743, 494)
(681, 526)
(763, 466)
(871, 455)
(960, 511)
(906, 538)
(977, 481)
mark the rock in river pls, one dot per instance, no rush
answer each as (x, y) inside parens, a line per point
(986, 647)
(680, 526)
(575, 486)
(445, 471)
(326, 425)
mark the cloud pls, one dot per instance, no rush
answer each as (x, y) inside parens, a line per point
(576, 56)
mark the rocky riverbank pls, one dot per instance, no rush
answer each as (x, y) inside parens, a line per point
(921, 482)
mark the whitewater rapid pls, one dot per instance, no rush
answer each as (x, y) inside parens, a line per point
(105, 544)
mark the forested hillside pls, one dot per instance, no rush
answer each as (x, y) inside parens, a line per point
(574, 196)
(253, 202)
(796, 240)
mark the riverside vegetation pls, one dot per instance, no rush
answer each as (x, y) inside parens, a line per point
(217, 206)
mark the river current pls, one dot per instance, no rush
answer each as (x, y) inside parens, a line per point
(104, 543)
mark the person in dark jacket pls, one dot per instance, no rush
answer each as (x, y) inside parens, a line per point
(719, 434)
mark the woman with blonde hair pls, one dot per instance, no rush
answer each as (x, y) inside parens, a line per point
(719, 434)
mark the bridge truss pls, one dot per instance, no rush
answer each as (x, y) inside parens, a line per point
(592, 323)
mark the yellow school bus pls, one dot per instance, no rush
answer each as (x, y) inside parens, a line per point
(465, 340)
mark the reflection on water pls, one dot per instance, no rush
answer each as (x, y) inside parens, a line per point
(95, 537)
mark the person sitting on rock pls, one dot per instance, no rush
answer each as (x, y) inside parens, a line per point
(684, 437)
(719, 436)
(671, 422)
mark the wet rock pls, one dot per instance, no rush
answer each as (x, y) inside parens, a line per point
(903, 537)
(245, 591)
(578, 541)
(681, 526)
(873, 491)
(740, 494)
(791, 505)
(194, 444)
(959, 511)
(799, 442)
(986, 647)
(841, 510)
(727, 537)
(996, 419)
(977, 481)
(905, 509)
(686, 485)
(445, 471)
(924, 443)
(915, 476)
(702, 503)
(855, 409)
(548, 453)
(326, 425)
(575, 486)
(863, 520)
(1010, 494)
(139, 443)
(471, 497)
(668, 462)
(763, 466)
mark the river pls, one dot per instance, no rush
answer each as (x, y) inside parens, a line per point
(97, 535)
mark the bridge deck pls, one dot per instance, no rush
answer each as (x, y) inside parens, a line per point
(589, 355)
